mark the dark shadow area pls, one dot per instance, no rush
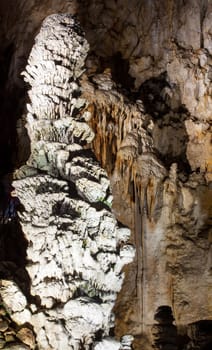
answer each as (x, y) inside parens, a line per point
(63, 209)
(13, 247)
(11, 110)
(150, 93)
(119, 70)
(13, 244)
(13, 97)
(170, 137)
(87, 153)
(72, 190)
(200, 334)
(207, 346)
(164, 333)
(5, 61)
(8, 126)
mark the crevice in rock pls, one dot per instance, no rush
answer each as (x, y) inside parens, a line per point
(203, 10)
(119, 71)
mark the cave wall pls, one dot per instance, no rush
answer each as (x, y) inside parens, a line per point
(148, 84)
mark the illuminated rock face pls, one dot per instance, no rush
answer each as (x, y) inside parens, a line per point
(166, 204)
(147, 85)
(76, 249)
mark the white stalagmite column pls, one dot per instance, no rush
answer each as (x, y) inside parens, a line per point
(76, 249)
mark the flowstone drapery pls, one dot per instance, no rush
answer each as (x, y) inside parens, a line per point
(76, 249)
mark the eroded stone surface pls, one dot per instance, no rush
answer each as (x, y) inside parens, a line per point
(13, 304)
(165, 197)
(165, 111)
(76, 249)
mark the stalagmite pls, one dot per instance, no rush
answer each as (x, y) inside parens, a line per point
(75, 245)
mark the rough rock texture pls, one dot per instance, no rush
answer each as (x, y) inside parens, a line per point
(76, 249)
(13, 336)
(167, 205)
(148, 82)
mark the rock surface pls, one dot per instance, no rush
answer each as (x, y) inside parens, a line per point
(13, 335)
(76, 248)
(148, 90)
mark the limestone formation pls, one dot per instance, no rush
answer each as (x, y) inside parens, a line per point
(167, 203)
(76, 249)
(147, 86)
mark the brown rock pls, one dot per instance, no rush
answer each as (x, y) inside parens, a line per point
(16, 347)
(9, 337)
(26, 336)
(3, 326)
(2, 311)
(2, 343)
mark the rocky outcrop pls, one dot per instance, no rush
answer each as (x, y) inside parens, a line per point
(76, 249)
